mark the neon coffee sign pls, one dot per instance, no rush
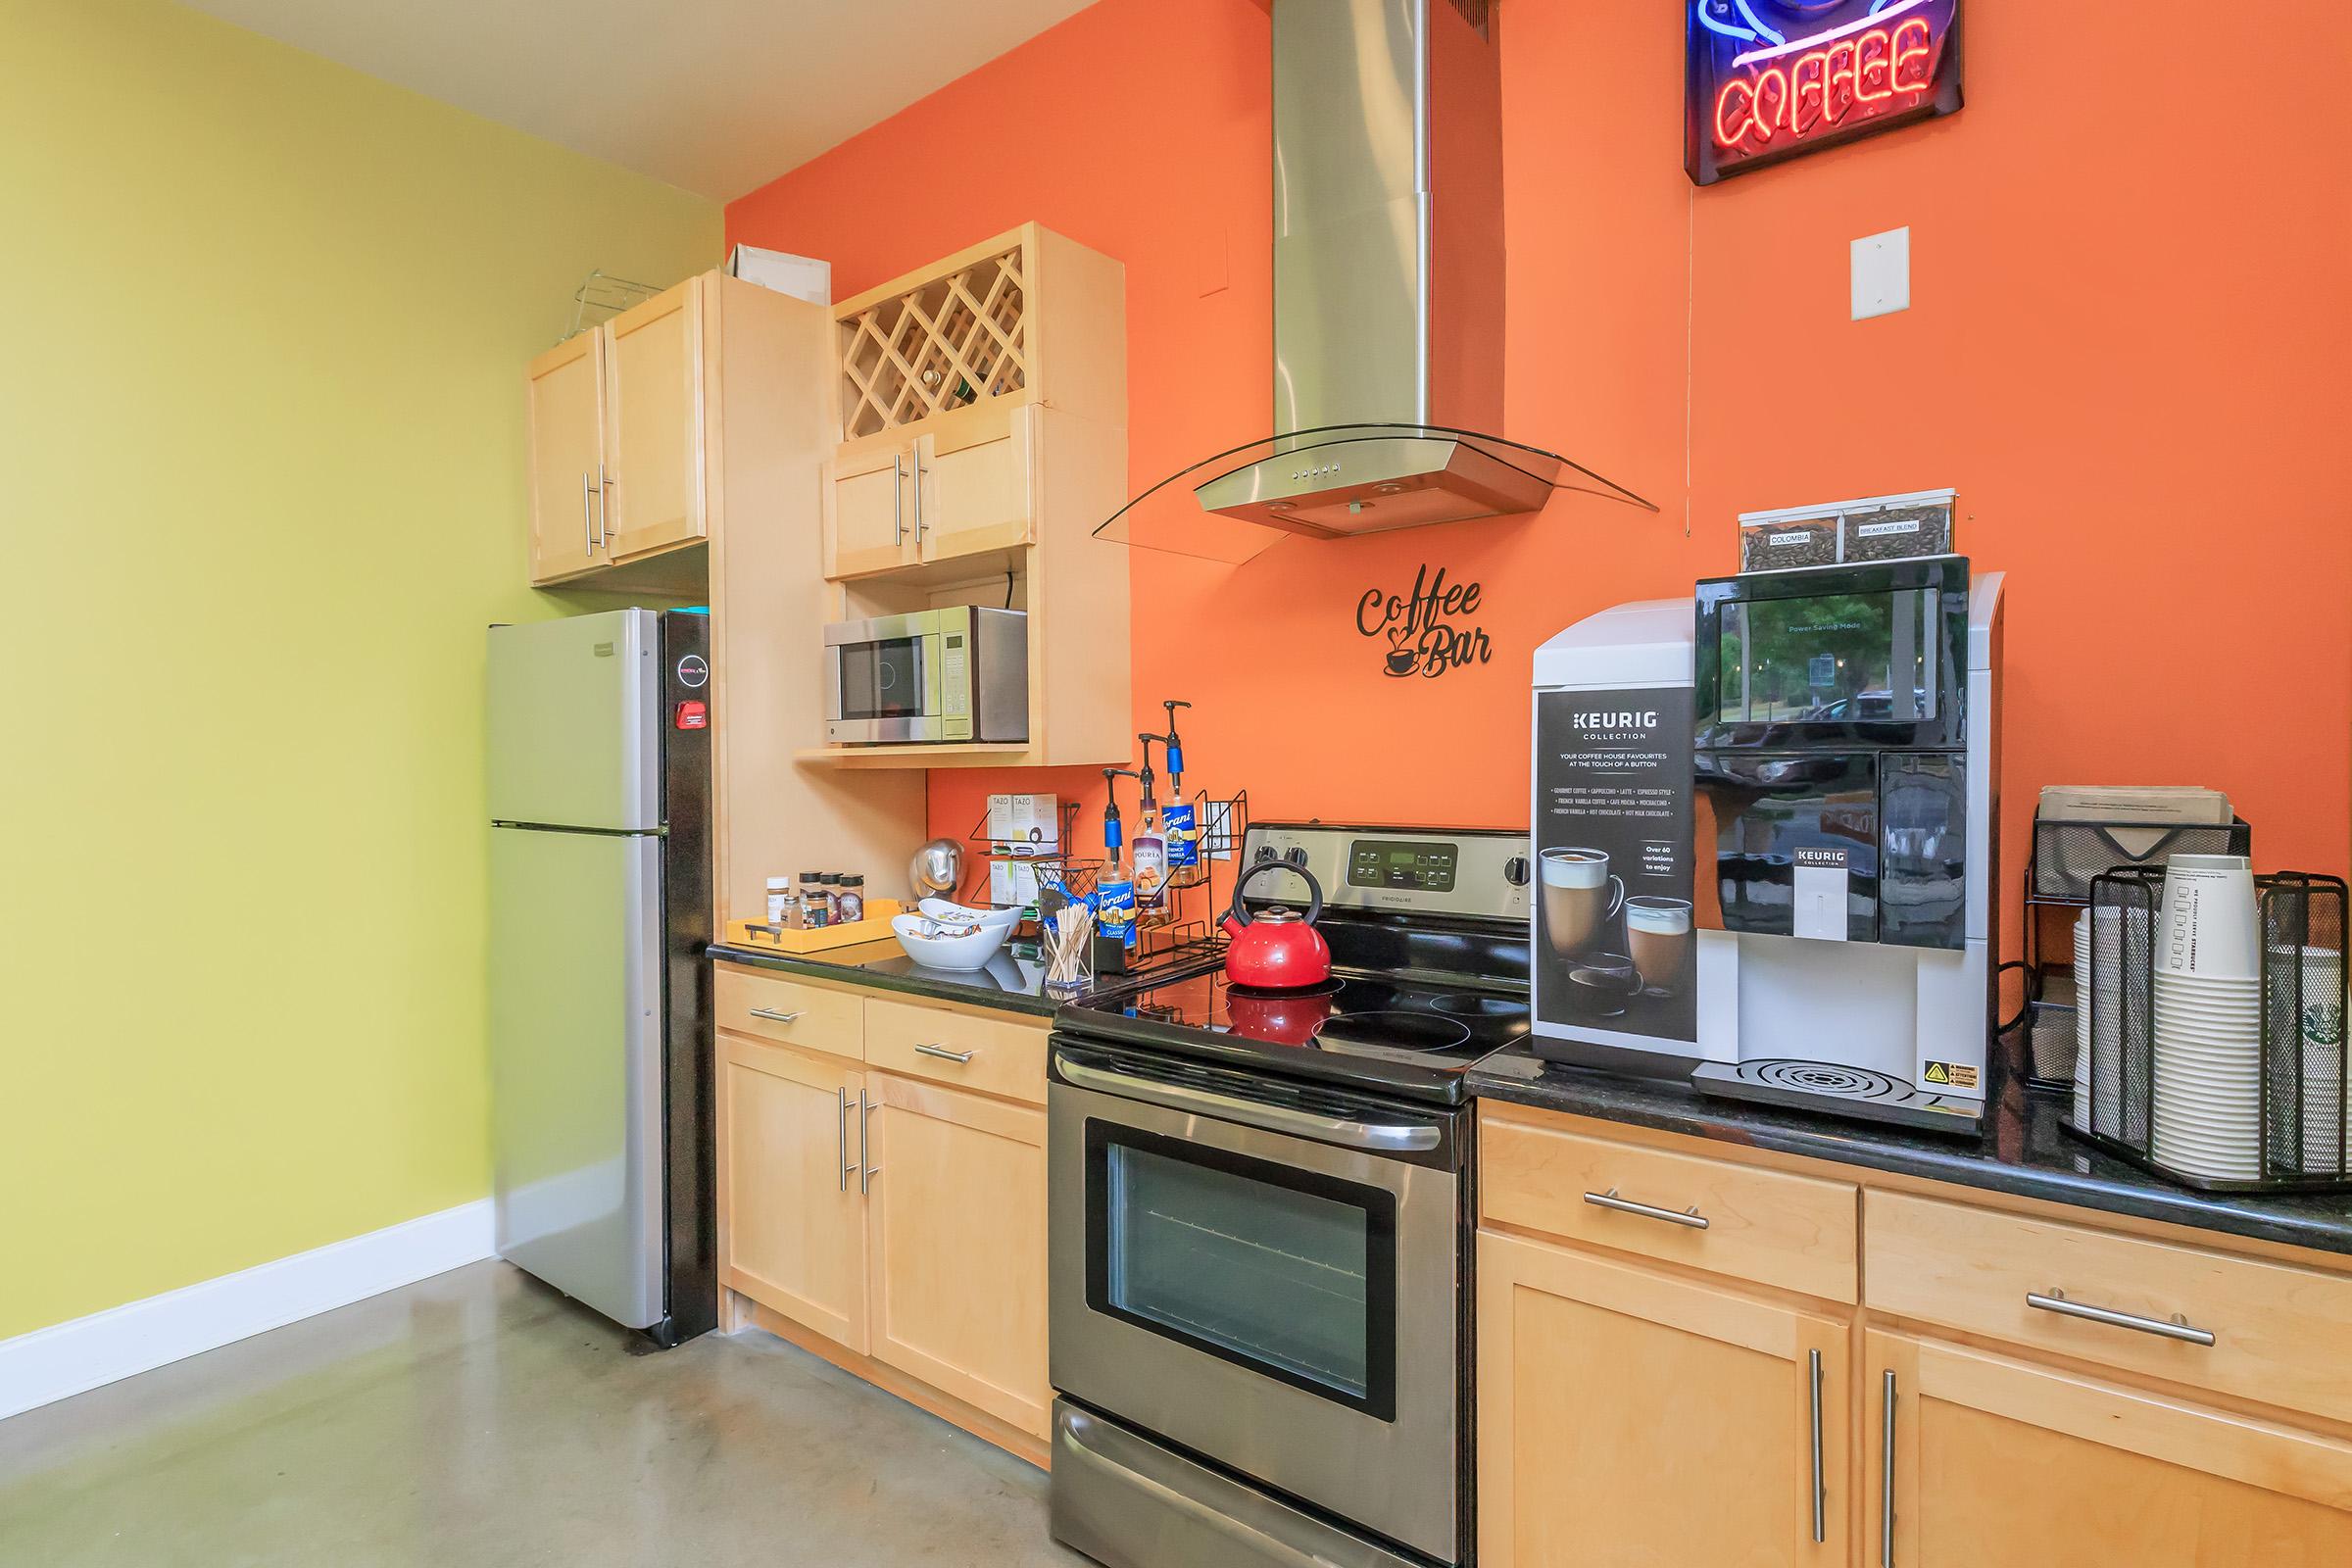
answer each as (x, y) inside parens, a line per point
(1772, 79)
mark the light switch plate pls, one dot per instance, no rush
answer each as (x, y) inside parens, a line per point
(1882, 273)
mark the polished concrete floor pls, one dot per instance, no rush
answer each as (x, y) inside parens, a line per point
(481, 1418)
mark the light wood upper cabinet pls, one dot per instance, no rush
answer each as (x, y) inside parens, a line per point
(795, 1236)
(941, 371)
(957, 1246)
(1994, 1461)
(976, 488)
(1626, 1416)
(655, 423)
(866, 516)
(566, 402)
(627, 428)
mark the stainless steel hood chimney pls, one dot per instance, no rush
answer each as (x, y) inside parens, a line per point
(1388, 278)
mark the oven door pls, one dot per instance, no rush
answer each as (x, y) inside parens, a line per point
(883, 680)
(1265, 1274)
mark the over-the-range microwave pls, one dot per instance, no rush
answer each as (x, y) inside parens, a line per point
(958, 673)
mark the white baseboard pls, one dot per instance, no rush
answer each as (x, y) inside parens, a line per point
(66, 1359)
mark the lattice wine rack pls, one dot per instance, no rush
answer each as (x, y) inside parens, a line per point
(950, 342)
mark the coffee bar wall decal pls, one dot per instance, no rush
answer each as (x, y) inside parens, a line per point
(1423, 628)
(1769, 79)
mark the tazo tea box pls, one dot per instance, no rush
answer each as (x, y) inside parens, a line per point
(1024, 824)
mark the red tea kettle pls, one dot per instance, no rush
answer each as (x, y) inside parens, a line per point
(1277, 949)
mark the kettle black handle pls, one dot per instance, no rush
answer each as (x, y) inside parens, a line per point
(1314, 889)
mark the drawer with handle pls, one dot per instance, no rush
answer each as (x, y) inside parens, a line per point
(1795, 1231)
(993, 1055)
(773, 1006)
(2261, 1331)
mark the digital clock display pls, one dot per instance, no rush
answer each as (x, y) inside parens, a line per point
(1395, 863)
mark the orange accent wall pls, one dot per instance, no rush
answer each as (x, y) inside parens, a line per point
(2128, 346)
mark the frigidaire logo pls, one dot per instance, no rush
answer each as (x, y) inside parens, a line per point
(1645, 720)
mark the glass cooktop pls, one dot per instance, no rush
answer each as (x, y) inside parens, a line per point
(1369, 1030)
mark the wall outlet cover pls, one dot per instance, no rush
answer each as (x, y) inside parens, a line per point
(1882, 273)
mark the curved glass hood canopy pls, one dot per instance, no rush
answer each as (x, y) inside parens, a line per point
(1344, 479)
(1388, 296)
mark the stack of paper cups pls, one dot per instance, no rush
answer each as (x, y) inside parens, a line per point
(2307, 987)
(2208, 1045)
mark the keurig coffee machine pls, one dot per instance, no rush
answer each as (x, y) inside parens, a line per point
(1764, 832)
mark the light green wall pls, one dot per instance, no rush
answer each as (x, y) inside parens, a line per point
(263, 323)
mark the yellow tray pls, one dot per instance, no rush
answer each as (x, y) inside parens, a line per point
(875, 927)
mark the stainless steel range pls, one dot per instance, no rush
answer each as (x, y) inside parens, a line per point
(1260, 1207)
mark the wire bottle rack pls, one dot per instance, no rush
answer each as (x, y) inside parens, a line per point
(2271, 1114)
(1171, 924)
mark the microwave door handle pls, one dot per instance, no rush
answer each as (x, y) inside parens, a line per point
(1375, 1136)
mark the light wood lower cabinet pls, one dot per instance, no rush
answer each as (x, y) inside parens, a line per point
(957, 1281)
(898, 1218)
(1992, 1462)
(795, 1236)
(1627, 1417)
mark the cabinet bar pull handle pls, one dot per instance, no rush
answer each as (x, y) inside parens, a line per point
(1821, 1485)
(943, 1053)
(1886, 1481)
(773, 1017)
(865, 1172)
(1690, 1217)
(587, 529)
(841, 1136)
(897, 500)
(918, 498)
(604, 508)
(2178, 1329)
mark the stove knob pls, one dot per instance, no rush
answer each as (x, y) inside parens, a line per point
(1514, 870)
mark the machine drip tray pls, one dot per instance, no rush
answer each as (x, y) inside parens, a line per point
(1839, 1090)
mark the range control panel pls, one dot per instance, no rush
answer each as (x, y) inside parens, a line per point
(1421, 863)
(1467, 871)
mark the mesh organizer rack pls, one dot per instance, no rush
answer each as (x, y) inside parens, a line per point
(2305, 1099)
(2067, 858)
(1162, 930)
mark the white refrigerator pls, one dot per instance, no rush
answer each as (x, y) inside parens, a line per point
(599, 915)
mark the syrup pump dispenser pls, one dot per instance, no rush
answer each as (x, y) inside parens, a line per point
(1179, 820)
(1114, 889)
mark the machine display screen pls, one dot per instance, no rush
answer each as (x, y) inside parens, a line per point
(1396, 864)
(1838, 658)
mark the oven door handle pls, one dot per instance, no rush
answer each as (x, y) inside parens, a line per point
(1382, 1137)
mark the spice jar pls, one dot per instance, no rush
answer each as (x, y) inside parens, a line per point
(816, 911)
(852, 901)
(781, 906)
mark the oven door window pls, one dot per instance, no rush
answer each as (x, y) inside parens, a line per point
(882, 679)
(1287, 1272)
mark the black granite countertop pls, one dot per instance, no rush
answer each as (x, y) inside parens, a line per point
(2023, 1150)
(1009, 981)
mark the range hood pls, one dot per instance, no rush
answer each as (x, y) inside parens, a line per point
(1388, 286)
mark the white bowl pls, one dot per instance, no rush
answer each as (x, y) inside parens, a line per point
(917, 935)
(952, 913)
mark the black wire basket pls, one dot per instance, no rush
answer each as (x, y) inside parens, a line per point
(2293, 1131)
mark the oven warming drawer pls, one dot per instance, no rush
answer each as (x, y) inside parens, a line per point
(1128, 1502)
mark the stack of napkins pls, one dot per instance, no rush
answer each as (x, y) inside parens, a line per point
(2156, 804)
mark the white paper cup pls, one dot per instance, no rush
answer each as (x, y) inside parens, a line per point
(2209, 917)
